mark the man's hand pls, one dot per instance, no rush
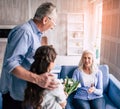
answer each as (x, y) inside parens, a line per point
(47, 80)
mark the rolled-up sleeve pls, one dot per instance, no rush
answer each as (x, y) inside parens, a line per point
(17, 47)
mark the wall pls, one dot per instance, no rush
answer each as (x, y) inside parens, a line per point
(2, 50)
(110, 46)
(14, 12)
(67, 60)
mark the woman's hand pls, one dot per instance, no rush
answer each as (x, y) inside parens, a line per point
(47, 80)
(91, 89)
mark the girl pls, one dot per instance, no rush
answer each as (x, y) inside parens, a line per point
(40, 98)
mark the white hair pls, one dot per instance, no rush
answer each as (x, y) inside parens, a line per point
(94, 67)
(45, 9)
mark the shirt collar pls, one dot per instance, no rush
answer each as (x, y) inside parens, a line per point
(35, 28)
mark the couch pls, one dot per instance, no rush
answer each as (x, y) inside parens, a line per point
(0, 101)
(110, 84)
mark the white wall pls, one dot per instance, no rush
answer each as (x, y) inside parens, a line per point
(67, 60)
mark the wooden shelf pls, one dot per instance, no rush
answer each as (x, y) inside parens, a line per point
(75, 33)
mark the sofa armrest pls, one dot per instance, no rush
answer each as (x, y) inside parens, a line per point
(0, 101)
(114, 91)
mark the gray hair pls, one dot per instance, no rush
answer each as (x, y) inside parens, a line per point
(94, 67)
(43, 10)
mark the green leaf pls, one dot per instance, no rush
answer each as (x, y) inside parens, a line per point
(73, 88)
(70, 85)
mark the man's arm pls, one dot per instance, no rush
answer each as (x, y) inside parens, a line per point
(45, 80)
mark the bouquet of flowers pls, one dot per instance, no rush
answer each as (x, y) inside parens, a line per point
(70, 85)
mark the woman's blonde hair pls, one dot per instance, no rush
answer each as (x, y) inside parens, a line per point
(93, 67)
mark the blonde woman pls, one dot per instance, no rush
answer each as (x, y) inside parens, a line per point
(90, 94)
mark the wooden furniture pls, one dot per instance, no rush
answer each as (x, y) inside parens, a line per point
(75, 33)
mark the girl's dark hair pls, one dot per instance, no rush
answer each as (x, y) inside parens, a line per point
(33, 93)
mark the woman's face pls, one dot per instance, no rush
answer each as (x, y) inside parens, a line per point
(87, 60)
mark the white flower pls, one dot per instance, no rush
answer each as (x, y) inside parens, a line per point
(70, 85)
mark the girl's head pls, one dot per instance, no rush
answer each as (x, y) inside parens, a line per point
(43, 59)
